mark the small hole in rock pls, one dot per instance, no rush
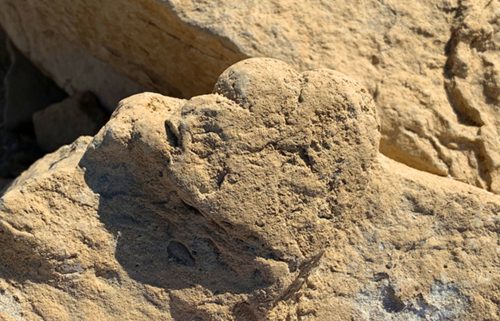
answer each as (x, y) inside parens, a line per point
(180, 254)
(390, 301)
(171, 137)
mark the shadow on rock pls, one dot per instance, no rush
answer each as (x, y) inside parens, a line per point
(163, 242)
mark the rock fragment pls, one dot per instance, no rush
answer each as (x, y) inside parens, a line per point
(62, 123)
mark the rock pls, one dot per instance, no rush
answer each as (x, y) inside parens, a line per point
(27, 90)
(411, 57)
(171, 57)
(266, 200)
(473, 87)
(62, 123)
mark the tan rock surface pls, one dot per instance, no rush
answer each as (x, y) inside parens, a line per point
(266, 200)
(62, 123)
(431, 65)
(117, 48)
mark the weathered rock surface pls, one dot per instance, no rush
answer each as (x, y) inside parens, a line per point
(473, 86)
(266, 200)
(4, 183)
(62, 123)
(432, 66)
(23, 90)
(116, 49)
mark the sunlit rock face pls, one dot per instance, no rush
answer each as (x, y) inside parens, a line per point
(265, 200)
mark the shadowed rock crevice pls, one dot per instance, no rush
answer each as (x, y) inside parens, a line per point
(36, 115)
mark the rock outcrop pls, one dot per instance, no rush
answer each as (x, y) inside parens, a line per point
(24, 90)
(266, 200)
(431, 66)
(116, 49)
(62, 123)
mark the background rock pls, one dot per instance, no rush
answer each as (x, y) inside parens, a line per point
(62, 123)
(125, 48)
(202, 209)
(411, 57)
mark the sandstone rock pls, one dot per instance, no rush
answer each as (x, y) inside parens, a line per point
(149, 46)
(62, 123)
(411, 56)
(473, 87)
(266, 200)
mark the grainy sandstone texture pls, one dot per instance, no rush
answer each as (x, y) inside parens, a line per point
(266, 200)
(62, 123)
(430, 65)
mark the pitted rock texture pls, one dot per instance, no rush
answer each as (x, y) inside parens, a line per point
(310, 137)
(473, 87)
(266, 200)
(430, 65)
